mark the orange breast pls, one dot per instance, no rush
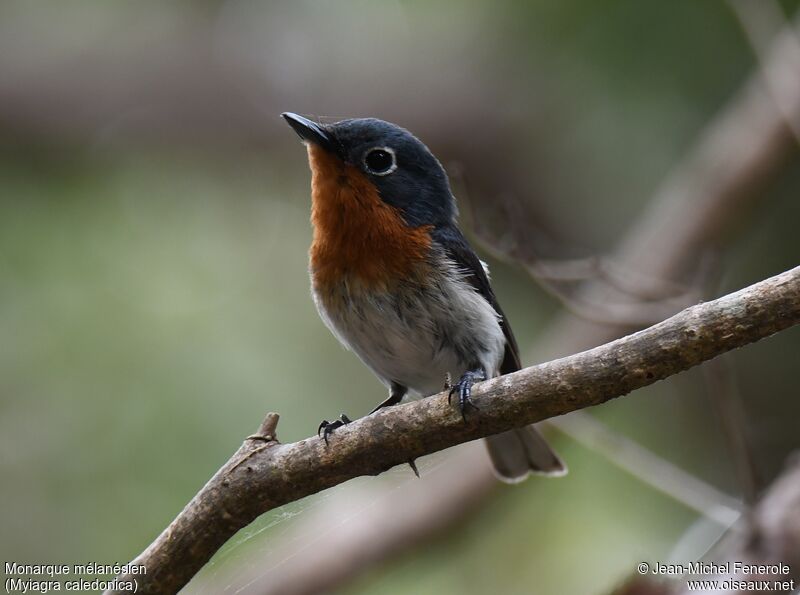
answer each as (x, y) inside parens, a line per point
(358, 237)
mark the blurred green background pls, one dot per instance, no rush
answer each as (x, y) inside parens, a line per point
(154, 229)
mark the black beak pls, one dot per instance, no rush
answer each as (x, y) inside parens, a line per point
(309, 131)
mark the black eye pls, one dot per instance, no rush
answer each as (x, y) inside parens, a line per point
(380, 161)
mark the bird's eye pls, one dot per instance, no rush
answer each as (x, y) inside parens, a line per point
(380, 161)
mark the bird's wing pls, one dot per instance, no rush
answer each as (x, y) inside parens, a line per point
(456, 247)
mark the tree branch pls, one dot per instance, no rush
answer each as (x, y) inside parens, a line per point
(260, 477)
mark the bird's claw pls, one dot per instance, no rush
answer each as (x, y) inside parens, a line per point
(464, 389)
(326, 428)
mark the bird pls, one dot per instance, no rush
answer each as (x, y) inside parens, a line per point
(398, 284)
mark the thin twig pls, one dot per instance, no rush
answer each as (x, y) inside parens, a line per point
(636, 299)
(720, 380)
(650, 468)
(760, 20)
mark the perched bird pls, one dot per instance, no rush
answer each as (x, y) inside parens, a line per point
(396, 282)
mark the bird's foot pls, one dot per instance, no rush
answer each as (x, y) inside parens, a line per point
(326, 428)
(464, 389)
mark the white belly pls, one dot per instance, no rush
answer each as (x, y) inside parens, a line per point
(414, 336)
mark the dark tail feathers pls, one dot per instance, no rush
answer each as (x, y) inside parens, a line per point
(518, 453)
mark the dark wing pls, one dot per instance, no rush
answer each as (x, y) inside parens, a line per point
(455, 245)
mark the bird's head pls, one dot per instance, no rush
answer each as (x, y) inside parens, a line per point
(384, 159)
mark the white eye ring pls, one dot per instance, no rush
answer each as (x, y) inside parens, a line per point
(385, 172)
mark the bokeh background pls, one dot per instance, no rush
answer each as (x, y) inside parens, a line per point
(154, 230)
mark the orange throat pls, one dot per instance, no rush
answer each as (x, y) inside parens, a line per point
(358, 238)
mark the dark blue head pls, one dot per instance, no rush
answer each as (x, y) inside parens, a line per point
(405, 173)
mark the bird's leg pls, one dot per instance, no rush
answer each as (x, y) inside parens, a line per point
(327, 427)
(464, 389)
(396, 394)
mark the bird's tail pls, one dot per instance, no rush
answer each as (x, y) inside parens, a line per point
(517, 453)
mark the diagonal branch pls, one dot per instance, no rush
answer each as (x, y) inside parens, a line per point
(651, 469)
(277, 474)
(759, 21)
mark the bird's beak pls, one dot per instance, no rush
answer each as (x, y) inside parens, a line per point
(309, 131)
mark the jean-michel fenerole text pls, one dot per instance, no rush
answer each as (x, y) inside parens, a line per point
(720, 568)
